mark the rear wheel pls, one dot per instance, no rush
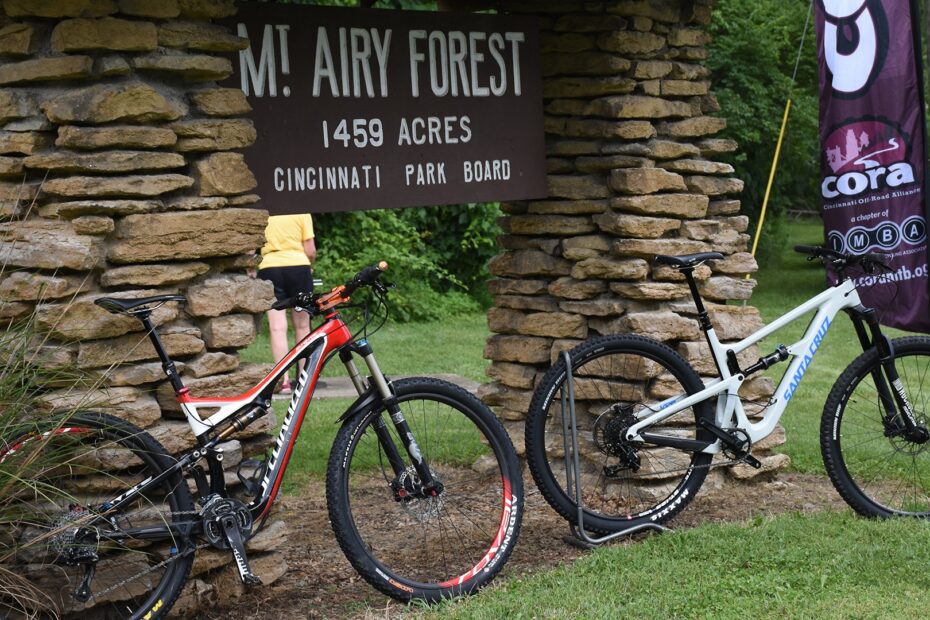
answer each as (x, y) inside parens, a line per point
(876, 468)
(58, 533)
(410, 544)
(617, 380)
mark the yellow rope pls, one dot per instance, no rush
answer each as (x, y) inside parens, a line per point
(768, 187)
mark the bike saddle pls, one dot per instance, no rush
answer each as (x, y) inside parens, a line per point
(135, 306)
(687, 260)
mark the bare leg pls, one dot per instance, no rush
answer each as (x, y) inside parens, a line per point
(301, 329)
(277, 328)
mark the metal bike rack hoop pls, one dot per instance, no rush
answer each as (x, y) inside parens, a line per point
(573, 470)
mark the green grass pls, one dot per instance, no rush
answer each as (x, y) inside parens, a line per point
(831, 565)
(453, 346)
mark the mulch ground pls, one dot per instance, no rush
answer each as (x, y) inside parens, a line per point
(320, 582)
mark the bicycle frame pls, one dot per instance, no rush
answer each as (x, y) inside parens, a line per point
(236, 412)
(315, 348)
(729, 409)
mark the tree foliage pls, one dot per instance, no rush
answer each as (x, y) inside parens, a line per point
(438, 255)
(752, 58)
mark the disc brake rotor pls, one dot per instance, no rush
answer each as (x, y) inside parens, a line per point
(420, 507)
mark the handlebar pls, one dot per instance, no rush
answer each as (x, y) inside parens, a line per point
(842, 260)
(317, 304)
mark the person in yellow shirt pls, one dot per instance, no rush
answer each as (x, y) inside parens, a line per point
(287, 259)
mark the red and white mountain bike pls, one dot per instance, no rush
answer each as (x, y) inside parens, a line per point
(423, 485)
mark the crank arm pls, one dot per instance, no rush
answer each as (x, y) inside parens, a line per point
(237, 546)
(82, 593)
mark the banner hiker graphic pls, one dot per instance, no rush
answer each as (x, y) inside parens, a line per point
(873, 152)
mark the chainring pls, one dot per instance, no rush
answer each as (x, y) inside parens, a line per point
(745, 446)
(218, 508)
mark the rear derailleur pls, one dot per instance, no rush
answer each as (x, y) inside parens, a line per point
(77, 546)
(609, 432)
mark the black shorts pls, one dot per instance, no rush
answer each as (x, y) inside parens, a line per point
(288, 281)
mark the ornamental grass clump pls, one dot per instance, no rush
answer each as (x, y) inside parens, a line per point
(27, 370)
(30, 366)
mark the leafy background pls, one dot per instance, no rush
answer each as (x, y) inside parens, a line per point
(752, 56)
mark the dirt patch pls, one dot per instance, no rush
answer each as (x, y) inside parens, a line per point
(320, 582)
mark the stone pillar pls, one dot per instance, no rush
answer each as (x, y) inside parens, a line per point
(120, 175)
(629, 120)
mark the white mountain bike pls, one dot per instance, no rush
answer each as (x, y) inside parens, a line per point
(648, 427)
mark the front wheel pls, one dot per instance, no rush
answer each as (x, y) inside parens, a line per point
(411, 544)
(876, 468)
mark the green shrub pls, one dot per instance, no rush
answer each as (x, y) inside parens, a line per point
(437, 255)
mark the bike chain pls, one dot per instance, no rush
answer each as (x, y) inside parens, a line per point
(164, 562)
(709, 466)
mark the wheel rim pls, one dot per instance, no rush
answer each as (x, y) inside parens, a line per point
(889, 471)
(439, 542)
(611, 385)
(65, 474)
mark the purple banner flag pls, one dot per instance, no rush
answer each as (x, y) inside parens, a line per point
(872, 138)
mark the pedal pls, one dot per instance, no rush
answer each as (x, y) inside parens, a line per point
(230, 526)
(253, 483)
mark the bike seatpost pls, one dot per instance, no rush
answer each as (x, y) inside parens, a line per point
(166, 362)
(703, 318)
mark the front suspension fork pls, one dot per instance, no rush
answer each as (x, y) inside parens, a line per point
(430, 486)
(887, 381)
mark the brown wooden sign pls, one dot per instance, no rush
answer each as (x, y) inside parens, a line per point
(365, 109)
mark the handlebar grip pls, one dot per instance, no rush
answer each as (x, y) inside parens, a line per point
(300, 300)
(366, 276)
(822, 252)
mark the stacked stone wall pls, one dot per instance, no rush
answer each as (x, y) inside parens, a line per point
(633, 172)
(121, 174)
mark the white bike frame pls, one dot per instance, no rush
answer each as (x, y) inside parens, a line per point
(729, 411)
